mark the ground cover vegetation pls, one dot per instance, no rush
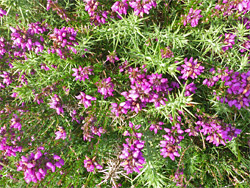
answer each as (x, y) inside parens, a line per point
(124, 93)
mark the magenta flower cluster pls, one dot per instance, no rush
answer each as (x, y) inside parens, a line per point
(105, 87)
(112, 57)
(15, 122)
(27, 40)
(238, 90)
(228, 41)
(82, 73)
(3, 49)
(55, 103)
(217, 131)
(91, 164)
(60, 134)
(132, 155)
(96, 16)
(228, 7)
(237, 87)
(9, 140)
(144, 89)
(64, 40)
(191, 69)
(90, 129)
(156, 127)
(190, 88)
(36, 166)
(142, 7)
(6, 79)
(85, 99)
(192, 17)
(170, 145)
(120, 7)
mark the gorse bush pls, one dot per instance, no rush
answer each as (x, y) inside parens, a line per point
(128, 93)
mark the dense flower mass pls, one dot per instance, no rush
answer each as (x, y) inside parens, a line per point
(9, 141)
(60, 134)
(85, 99)
(132, 156)
(238, 90)
(192, 17)
(82, 73)
(120, 7)
(170, 145)
(37, 165)
(96, 16)
(91, 164)
(191, 68)
(218, 132)
(142, 7)
(228, 7)
(131, 93)
(64, 40)
(55, 104)
(6, 78)
(105, 87)
(26, 40)
(228, 41)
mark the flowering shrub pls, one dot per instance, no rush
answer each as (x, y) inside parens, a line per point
(124, 93)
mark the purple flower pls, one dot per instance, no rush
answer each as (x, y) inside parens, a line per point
(141, 7)
(15, 122)
(82, 73)
(85, 99)
(191, 69)
(64, 40)
(2, 12)
(112, 57)
(90, 164)
(25, 40)
(156, 127)
(6, 78)
(105, 87)
(45, 67)
(61, 134)
(243, 6)
(55, 104)
(170, 144)
(96, 16)
(218, 132)
(36, 166)
(132, 156)
(192, 17)
(190, 88)
(228, 41)
(120, 7)
(3, 46)
(97, 131)
(238, 89)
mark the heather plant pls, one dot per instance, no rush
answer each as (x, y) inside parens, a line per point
(124, 93)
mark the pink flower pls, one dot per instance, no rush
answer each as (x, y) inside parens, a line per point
(61, 134)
